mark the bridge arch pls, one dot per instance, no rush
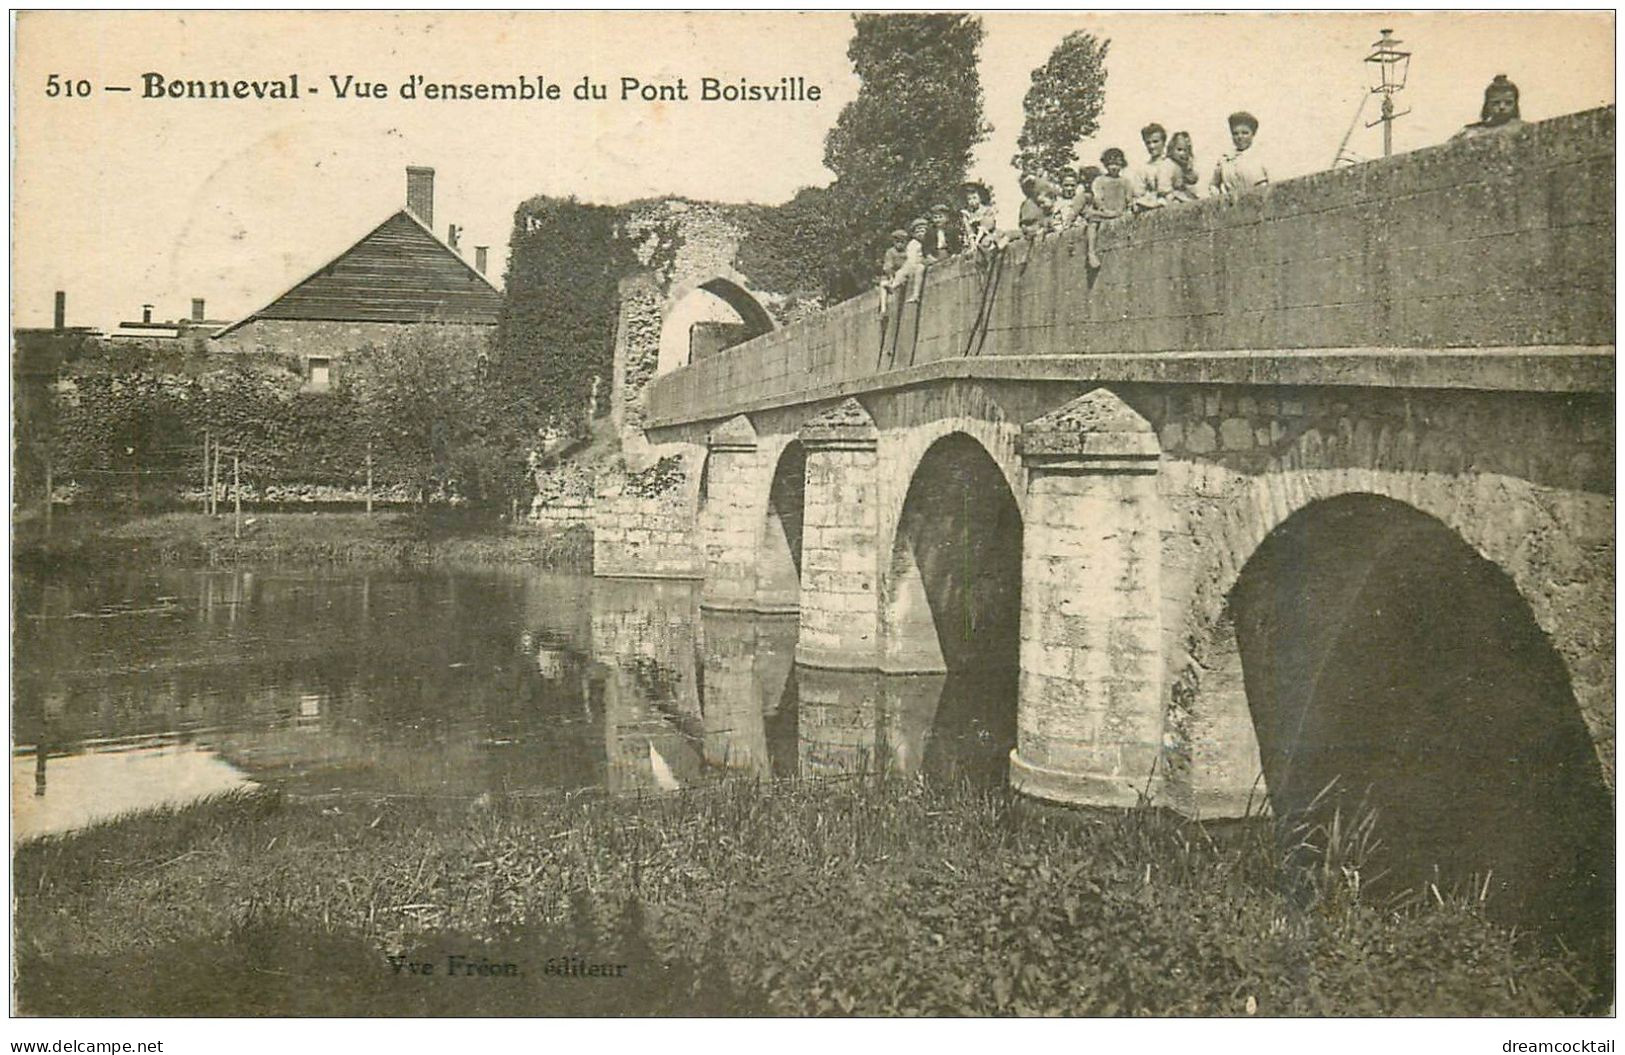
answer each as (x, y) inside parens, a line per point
(951, 593)
(778, 563)
(1366, 640)
(722, 300)
(1498, 517)
(954, 407)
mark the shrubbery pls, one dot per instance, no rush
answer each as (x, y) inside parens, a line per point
(426, 406)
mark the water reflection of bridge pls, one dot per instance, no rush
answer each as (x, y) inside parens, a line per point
(691, 695)
(447, 685)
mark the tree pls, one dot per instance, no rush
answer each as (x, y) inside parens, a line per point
(420, 396)
(905, 142)
(1063, 105)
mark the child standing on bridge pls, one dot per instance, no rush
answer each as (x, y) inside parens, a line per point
(1072, 197)
(1500, 111)
(1034, 215)
(946, 238)
(981, 221)
(1142, 179)
(911, 276)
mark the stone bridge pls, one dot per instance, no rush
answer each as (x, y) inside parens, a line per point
(1317, 483)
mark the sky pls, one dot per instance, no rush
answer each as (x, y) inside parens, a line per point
(122, 200)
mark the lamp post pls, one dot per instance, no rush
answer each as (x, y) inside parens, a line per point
(1389, 67)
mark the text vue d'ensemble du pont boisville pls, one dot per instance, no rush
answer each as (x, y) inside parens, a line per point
(532, 88)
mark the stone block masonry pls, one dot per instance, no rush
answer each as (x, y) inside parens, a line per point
(839, 596)
(731, 517)
(641, 537)
(1208, 444)
(1497, 242)
(1090, 711)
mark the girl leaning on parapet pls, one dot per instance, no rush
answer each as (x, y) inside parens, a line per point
(1242, 169)
(1175, 179)
(1500, 110)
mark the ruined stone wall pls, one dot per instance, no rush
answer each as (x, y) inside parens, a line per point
(645, 538)
(644, 521)
(637, 350)
(677, 241)
(681, 243)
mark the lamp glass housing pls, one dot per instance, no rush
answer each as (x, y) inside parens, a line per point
(1389, 65)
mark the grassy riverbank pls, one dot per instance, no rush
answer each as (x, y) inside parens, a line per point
(392, 537)
(857, 897)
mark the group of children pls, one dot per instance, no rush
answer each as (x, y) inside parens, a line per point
(1090, 196)
(946, 233)
(1168, 176)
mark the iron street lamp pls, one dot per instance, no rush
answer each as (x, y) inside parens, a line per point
(1389, 67)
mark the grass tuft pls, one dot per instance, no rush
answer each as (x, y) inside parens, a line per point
(869, 896)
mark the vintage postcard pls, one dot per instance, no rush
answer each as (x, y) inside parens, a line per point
(785, 515)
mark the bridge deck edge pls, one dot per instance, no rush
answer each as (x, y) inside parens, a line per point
(1548, 368)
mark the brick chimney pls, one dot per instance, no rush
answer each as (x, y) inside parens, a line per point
(454, 234)
(420, 193)
(146, 313)
(197, 309)
(61, 309)
(480, 257)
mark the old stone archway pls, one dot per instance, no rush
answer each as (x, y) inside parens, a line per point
(952, 593)
(778, 563)
(951, 608)
(705, 317)
(1380, 651)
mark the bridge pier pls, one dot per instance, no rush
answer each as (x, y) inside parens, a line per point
(1089, 715)
(730, 524)
(840, 549)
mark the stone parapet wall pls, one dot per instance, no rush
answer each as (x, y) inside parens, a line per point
(1496, 242)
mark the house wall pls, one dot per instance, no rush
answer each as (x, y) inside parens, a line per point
(307, 339)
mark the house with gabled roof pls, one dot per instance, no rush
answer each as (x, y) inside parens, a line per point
(398, 274)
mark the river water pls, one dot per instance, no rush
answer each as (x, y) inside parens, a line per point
(133, 689)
